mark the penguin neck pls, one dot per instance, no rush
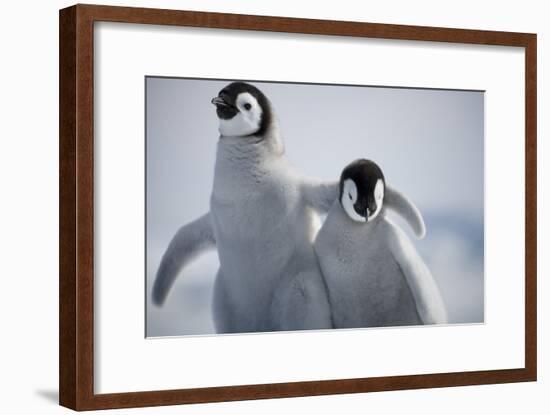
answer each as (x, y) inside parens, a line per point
(349, 223)
(246, 162)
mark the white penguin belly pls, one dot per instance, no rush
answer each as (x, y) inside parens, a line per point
(376, 298)
(257, 237)
(365, 284)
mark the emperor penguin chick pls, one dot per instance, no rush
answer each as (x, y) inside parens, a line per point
(373, 273)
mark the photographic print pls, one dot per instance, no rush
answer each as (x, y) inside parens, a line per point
(278, 206)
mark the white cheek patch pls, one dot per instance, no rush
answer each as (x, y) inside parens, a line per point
(378, 196)
(348, 199)
(246, 121)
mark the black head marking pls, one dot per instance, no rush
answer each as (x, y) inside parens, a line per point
(365, 174)
(227, 108)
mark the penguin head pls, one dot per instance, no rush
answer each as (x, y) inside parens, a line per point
(242, 109)
(362, 187)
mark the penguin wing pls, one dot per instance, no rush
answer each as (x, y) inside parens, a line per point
(427, 297)
(404, 207)
(320, 195)
(188, 242)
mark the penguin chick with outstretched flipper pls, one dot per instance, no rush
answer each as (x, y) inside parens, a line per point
(374, 275)
(261, 221)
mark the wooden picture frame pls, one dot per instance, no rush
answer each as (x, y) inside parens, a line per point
(76, 175)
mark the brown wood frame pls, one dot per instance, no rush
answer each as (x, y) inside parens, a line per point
(76, 178)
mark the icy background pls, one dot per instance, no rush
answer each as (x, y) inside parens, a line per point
(429, 143)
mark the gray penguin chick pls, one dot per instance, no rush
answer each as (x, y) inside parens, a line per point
(374, 275)
(261, 221)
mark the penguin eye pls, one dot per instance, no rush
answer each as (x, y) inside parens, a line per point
(247, 106)
(350, 198)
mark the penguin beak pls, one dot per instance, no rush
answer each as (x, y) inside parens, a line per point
(217, 101)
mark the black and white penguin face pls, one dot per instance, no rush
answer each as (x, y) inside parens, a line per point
(362, 188)
(242, 109)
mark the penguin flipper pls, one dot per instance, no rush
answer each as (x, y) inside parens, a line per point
(320, 195)
(188, 242)
(420, 280)
(404, 207)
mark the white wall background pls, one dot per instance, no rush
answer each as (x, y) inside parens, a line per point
(29, 209)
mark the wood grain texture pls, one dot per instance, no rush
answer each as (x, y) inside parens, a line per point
(531, 207)
(67, 208)
(76, 239)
